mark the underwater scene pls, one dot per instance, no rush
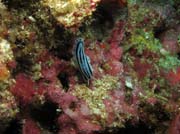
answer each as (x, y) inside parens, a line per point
(89, 66)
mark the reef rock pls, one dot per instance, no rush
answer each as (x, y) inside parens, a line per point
(71, 12)
(8, 109)
(6, 55)
(5, 50)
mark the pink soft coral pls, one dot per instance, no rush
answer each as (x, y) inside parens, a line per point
(24, 89)
(75, 117)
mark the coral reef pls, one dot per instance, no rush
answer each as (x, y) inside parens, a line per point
(8, 104)
(134, 50)
(30, 127)
(72, 12)
(6, 55)
(8, 110)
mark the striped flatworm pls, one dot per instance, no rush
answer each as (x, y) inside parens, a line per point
(83, 60)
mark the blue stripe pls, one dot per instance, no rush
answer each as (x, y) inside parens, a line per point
(89, 66)
(84, 63)
(83, 60)
(79, 58)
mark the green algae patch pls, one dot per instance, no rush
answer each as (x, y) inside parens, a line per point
(94, 98)
(169, 62)
(145, 40)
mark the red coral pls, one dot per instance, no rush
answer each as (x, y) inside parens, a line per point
(115, 68)
(49, 73)
(141, 67)
(116, 52)
(11, 64)
(75, 122)
(110, 111)
(175, 125)
(82, 122)
(117, 105)
(64, 100)
(67, 125)
(50, 66)
(118, 33)
(169, 40)
(173, 76)
(30, 127)
(24, 88)
(76, 116)
(86, 125)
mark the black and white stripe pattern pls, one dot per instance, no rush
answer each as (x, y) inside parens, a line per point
(83, 60)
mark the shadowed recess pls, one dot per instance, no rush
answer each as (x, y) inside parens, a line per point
(140, 128)
(46, 115)
(15, 127)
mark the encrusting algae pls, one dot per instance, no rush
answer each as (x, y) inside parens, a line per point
(71, 12)
(5, 50)
(8, 106)
(94, 98)
(6, 55)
